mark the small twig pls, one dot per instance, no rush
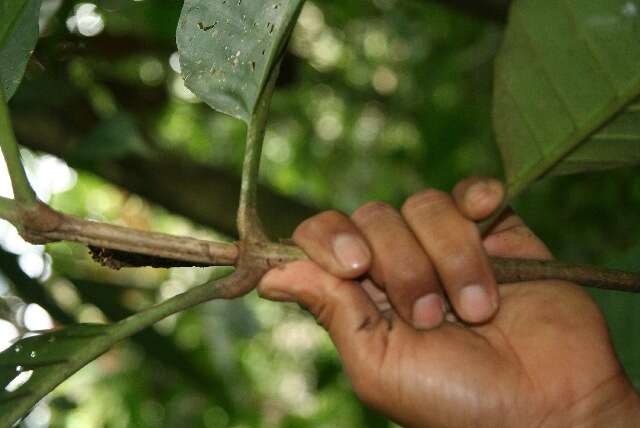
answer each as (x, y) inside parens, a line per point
(519, 270)
(22, 190)
(249, 225)
(242, 281)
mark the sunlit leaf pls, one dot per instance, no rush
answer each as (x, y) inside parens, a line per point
(34, 366)
(566, 78)
(228, 49)
(18, 38)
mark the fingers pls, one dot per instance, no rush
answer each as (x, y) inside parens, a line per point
(340, 306)
(477, 198)
(335, 243)
(433, 245)
(400, 266)
(454, 245)
(511, 238)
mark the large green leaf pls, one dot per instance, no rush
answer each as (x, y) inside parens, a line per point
(35, 365)
(566, 79)
(18, 38)
(228, 49)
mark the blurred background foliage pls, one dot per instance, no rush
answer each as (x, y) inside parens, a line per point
(377, 100)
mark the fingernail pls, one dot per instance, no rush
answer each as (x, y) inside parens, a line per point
(476, 304)
(351, 252)
(479, 192)
(428, 311)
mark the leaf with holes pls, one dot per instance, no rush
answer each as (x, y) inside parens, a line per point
(36, 365)
(229, 48)
(566, 88)
(18, 38)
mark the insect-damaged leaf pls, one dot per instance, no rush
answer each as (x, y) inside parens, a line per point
(228, 49)
(18, 37)
(567, 76)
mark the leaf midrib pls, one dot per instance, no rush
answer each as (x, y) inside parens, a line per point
(521, 181)
(545, 164)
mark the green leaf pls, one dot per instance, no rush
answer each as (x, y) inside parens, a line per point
(566, 79)
(49, 358)
(229, 48)
(18, 38)
(36, 365)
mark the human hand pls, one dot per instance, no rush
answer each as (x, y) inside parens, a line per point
(532, 354)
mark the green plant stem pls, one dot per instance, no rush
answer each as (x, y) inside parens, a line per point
(8, 209)
(22, 191)
(193, 297)
(249, 225)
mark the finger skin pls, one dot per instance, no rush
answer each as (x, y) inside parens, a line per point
(454, 245)
(511, 238)
(477, 198)
(343, 308)
(335, 243)
(405, 273)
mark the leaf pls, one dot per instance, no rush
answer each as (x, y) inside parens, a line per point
(49, 358)
(616, 145)
(229, 48)
(18, 38)
(566, 79)
(36, 365)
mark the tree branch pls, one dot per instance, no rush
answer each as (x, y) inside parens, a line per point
(45, 225)
(260, 256)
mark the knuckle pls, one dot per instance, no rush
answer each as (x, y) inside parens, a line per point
(323, 313)
(330, 215)
(411, 278)
(318, 223)
(458, 262)
(431, 201)
(372, 210)
(462, 185)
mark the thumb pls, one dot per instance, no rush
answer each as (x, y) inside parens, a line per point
(342, 307)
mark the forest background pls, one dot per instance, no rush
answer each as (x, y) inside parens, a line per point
(376, 100)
